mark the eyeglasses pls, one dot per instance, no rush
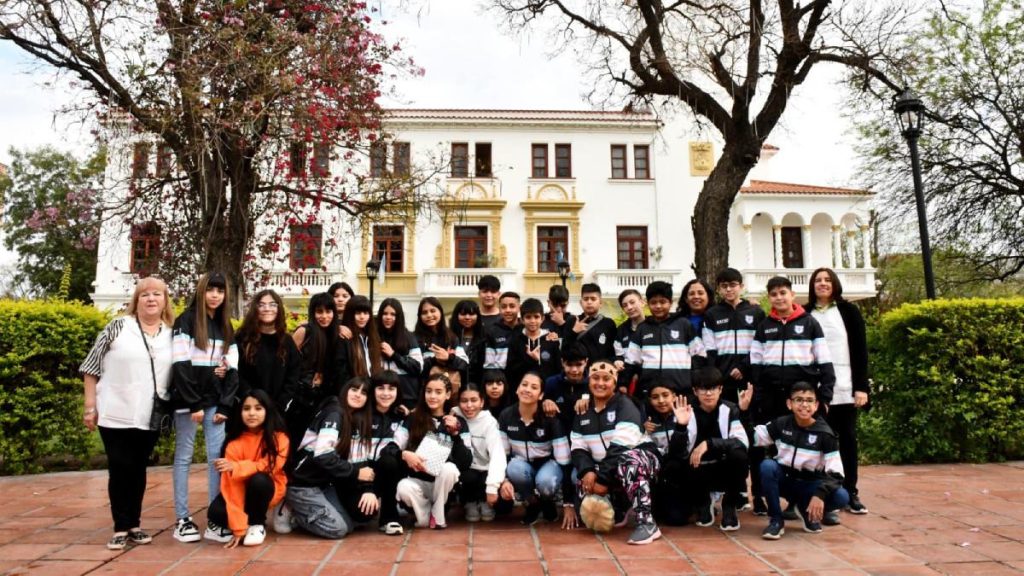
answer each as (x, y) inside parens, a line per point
(267, 305)
(729, 285)
(802, 400)
(706, 390)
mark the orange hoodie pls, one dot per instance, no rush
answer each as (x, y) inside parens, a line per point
(244, 454)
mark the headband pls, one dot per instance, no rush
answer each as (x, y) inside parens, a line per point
(602, 366)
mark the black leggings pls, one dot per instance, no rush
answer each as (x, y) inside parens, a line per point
(473, 485)
(259, 491)
(128, 451)
(842, 418)
(388, 469)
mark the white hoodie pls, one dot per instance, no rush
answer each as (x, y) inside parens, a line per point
(488, 451)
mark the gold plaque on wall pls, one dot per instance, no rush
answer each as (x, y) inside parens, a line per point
(702, 158)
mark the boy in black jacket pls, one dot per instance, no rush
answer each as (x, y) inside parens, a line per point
(592, 329)
(729, 328)
(529, 348)
(807, 469)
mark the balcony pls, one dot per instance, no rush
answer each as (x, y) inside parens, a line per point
(302, 282)
(461, 282)
(613, 282)
(858, 283)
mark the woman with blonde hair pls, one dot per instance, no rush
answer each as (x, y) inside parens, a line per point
(130, 361)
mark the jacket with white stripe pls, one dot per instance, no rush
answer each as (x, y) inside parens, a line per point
(665, 350)
(727, 336)
(669, 436)
(810, 453)
(194, 385)
(599, 439)
(784, 352)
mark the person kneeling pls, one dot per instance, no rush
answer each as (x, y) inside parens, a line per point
(807, 469)
(610, 452)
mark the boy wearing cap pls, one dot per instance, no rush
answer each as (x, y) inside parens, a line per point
(664, 346)
(807, 470)
(611, 453)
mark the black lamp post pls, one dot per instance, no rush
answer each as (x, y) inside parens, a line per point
(910, 112)
(372, 267)
(563, 271)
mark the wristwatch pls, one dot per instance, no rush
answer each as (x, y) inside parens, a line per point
(89, 412)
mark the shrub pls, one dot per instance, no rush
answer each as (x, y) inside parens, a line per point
(42, 344)
(949, 383)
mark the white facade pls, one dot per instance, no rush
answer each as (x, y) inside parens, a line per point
(511, 212)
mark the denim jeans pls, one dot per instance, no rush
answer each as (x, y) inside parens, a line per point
(546, 478)
(319, 511)
(184, 446)
(777, 483)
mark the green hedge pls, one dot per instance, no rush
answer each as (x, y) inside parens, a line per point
(42, 344)
(948, 383)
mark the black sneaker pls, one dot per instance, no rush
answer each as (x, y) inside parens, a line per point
(831, 518)
(139, 537)
(185, 530)
(532, 514)
(744, 502)
(730, 521)
(809, 526)
(773, 531)
(118, 541)
(706, 514)
(760, 508)
(549, 510)
(790, 512)
(855, 506)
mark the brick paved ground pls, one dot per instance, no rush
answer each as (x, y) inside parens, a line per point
(961, 519)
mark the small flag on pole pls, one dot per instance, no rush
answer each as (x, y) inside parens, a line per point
(381, 268)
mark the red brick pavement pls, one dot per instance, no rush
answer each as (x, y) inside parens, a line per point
(941, 519)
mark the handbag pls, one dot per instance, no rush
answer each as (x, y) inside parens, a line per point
(161, 419)
(434, 450)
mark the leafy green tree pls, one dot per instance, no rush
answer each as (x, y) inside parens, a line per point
(51, 219)
(968, 68)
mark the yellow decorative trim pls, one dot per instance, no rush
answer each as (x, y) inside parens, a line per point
(395, 284)
(702, 158)
(408, 241)
(551, 212)
(540, 282)
(465, 212)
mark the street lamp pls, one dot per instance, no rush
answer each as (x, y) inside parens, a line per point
(910, 113)
(563, 271)
(372, 267)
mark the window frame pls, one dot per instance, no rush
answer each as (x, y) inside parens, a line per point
(631, 249)
(298, 156)
(402, 152)
(568, 161)
(646, 161)
(481, 169)
(625, 161)
(474, 240)
(148, 233)
(298, 258)
(394, 246)
(378, 159)
(321, 165)
(140, 160)
(460, 161)
(535, 170)
(547, 258)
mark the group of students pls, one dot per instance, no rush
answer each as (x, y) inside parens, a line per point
(354, 417)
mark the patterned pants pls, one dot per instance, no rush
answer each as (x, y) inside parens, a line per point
(637, 472)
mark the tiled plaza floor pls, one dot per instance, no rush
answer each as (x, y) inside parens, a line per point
(943, 519)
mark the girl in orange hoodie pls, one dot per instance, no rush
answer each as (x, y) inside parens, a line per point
(252, 472)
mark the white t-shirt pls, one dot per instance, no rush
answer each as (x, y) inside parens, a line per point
(839, 346)
(124, 393)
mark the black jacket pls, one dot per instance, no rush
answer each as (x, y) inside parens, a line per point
(856, 336)
(599, 439)
(317, 462)
(598, 339)
(279, 377)
(810, 453)
(194, 385)
(728, 333)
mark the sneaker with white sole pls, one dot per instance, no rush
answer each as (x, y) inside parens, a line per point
(706, 513)
(185, 530)
(809, 525)
(283, 522)
(255, 535)
(644, 534)
(137, 536)
(856, 506)
(773, 531)
(730, 521)
(118, 541)
(392, 529)
(217, 533)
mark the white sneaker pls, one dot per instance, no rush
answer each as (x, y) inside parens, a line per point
(185, 530)
(255, 535)
(486, 512)
(217, 533)
(283, 522)
(472, 511)
(392, 529)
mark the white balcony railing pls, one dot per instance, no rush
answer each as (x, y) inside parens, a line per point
(613, 282)
(456, 282)
(299, 282)
(857, 283)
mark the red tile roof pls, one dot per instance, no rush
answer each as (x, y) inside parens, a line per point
(529, 115)
(766, 187)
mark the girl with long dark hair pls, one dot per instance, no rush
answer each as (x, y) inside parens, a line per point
(468, 328)
(364, 350)
(400, 351)
(252, 471)
(268, 358)
(203, 388)
(440, 347)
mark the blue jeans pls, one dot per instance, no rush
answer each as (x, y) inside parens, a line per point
(546, 478)
(776, 483)
(184, 446)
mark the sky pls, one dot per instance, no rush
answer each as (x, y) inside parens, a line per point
(471, 60)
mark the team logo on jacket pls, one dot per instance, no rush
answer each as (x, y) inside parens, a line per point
(812, 438)
(545, 356)
(394, 426)
(749, 318)
(603, 338)
(674, 333)
(540, 433)
(798, 329)
(611, 416)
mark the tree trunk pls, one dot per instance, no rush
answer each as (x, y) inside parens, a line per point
(711, 213)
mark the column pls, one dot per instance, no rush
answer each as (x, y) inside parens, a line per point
(748, 233)
(777, 230)
(837, 247)
(865, 238)
(851, 247)
(806, 245)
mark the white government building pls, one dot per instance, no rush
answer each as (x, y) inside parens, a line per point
(611, 193)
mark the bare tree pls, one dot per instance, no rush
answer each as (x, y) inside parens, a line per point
(732, 64)
(228, 90)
